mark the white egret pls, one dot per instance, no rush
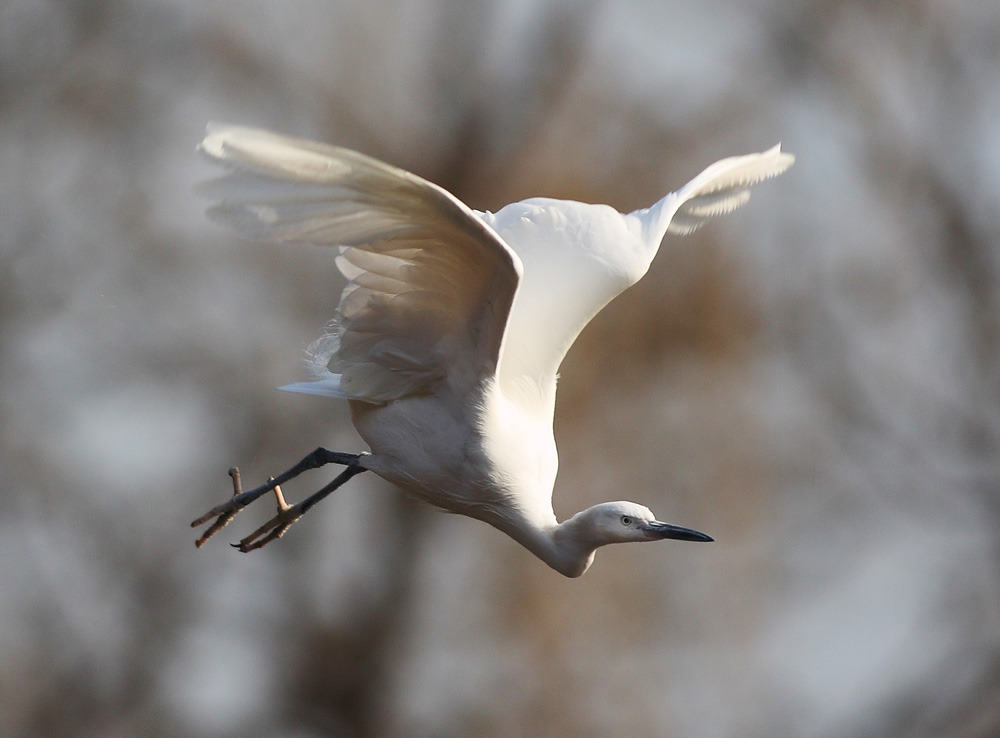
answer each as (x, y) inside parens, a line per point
(451, 329)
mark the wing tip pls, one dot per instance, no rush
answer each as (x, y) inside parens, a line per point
(724, 186)
(213, 145)
(278, 156)
(781, 160)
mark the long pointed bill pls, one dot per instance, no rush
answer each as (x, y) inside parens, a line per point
(657, 530)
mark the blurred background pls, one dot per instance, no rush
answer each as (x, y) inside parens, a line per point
(812, 380)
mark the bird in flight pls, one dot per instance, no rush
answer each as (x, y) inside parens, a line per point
(449, 333)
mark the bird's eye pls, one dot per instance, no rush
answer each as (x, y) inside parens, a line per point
(626, 520)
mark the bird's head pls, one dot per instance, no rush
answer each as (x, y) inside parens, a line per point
(576, 540)
(622, 522)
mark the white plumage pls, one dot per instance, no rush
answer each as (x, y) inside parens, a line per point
(453, 323)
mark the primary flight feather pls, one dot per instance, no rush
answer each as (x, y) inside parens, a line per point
(452, 325)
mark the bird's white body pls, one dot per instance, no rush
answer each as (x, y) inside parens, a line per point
(453, 324)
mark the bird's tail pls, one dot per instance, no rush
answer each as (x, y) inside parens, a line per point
(326, 383)
(324, 387)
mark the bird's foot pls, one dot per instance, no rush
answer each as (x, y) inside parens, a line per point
(275, 527)
(225, 512)
(287, 514)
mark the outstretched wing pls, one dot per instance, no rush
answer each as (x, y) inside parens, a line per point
(719, 189)
(579, 257)
(430, 285)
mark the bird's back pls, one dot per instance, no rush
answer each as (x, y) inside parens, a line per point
(576, 258)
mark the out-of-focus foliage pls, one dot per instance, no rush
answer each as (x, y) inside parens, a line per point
(813, 380)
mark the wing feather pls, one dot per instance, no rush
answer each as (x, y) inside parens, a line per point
(724, 186)
(430, 285)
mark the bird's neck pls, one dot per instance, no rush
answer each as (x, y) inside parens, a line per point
(560, 545)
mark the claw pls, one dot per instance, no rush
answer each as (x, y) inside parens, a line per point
(225, 512)
(287, 514)
(275, 528)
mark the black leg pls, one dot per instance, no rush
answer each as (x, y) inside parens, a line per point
(225, 512)
(288, 514)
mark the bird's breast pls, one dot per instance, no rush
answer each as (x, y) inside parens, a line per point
(484, 458)
(431, 449)
(518, 442)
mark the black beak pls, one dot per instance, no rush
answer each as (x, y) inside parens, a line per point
(659, 530)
